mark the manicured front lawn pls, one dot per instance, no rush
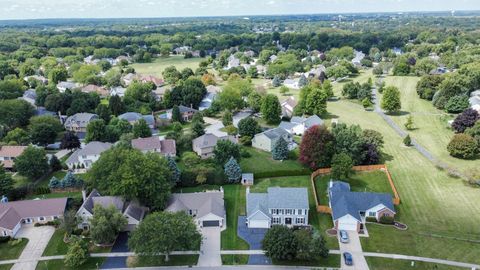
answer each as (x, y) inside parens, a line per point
(388, 264)
(56, 245)
(332, 260)
(92, 263)
(234, 259)
(174, 260)
(12, 249)
(261, 162)
(5, 266)
(235, 204)
(373, 181)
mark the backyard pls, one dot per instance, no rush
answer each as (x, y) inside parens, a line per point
(261, 163)
(425, 191)
(159, 64)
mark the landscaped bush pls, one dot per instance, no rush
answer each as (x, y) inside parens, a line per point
(371, 219)
(4, 239)
(386, 220)
(41, 190)
(462, 146)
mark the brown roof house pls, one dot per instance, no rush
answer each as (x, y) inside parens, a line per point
(14, 215)
(205, 144)
(186, 112)
(9, 153)
(207, 208)
(91, 88)
(155, 144)
(133, 211)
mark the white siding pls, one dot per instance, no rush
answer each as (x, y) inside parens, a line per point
(347, 223)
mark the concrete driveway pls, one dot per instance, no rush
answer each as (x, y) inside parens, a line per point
(355, 248)
(38, 238)
(210, 248)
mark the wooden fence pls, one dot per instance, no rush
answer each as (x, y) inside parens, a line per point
(322, 208)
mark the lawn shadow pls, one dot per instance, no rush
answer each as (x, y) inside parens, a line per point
(329, 115)
(399, 113)
(386, 157)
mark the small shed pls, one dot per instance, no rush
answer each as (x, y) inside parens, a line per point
(247, 179)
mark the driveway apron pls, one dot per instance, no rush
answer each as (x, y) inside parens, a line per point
(210, 248)
(38, 238)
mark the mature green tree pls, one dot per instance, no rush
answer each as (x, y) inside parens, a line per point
(43, 129)
(10, 89)
(164, 232)
(103, 112)
(328, 88)
(462, 146)
(141, 129)
(233, 171)
(227, 118)
(165, 49)
(302, 81)
(255, 101)
(70, 141)
(279, 243)
(6, 182)
(106, 223)
(466, 119)
(373, 137)
(428, 86)
(77, 253)
(348, 139)
(17, 136)
(224, 150)
(187, 73)
(391, 99)
(284, 90)
(271, 109)
(55, 164)
(57, 75)
(193, 91)
(171, 75)
(407, 141)
(248, 127)
(69, 222)
(32, 163)
(86, 74)
(230, 98)
(337, 72)
(316, 102)
(341, 166)
(129, 173)
(310, 245)
(276, 81)
(96, 131)
(139, 91)
(116, 105)
(176, 173)
(280, 149)
(198, 128)
(15, 113)
(176, 116)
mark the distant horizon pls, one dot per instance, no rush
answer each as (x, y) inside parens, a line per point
(144, 9)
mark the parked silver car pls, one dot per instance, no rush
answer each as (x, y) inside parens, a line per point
(344, 237)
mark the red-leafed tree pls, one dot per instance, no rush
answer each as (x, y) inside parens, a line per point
(465, 120)
(317, 147)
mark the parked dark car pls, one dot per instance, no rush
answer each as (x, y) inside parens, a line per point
(348, 258)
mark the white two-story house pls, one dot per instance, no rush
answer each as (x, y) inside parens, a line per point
(82, 159)
(279, 206)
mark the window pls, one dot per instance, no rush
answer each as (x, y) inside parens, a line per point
(4, 233)
(288, 211)
(372, 214)
(300, 221)
(41, 218)
(299, 211)
(276, 220)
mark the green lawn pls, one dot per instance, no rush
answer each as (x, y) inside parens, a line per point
(234, 259)
(92, 263)
(77, 194)
(431, 124)
(5, 266)
(159, 64)
(432, 201)
(12, 249)
(330, 261)
(374, 181)
(56, 246)
(261, 162)
(175, 260)
(318, 221)
(235, 204)
(46, 180)
(388, 264)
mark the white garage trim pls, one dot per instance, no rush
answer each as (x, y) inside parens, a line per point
(348, 223)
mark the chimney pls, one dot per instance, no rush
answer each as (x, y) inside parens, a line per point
(84, 194)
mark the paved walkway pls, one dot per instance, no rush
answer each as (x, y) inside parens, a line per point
(210, 248)
(402, 133)
(354, 247)
(38, 238)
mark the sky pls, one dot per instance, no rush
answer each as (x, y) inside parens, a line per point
(40, 9)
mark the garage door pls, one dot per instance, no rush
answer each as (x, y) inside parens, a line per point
(258, 224)
(347, 226)
(211, 223)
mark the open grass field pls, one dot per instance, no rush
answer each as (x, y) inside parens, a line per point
(12, 249)
(92, 263)
(432, 201)
(159, 64)
(431, 124)
(374, 181)
(388, 264)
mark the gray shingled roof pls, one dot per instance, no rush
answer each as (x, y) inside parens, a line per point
(343, 201)
(80, 119)
(204, 202)
(257, 201)
(277, 197)
(274, 133)
(135, 211)
(92, 148)
(134, 116)
(286, 125)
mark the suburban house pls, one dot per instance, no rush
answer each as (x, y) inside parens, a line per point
(288, 105)
(129, 78)
(186, 112)
(159, 93)
(132, 210)
(118, 91)
(357, 60)
(63, 86)
(30, 96)
(91, 88)
(205, 144)
(233, 62)
(267, 139)
(474, 100)
(298, 125)
(14, 215)
(282, 206)
(78, 122)
(292, 83)
(149, 78)
(207, 101)
(207, 208)
(213, 89)
(8, 154)
(82, 159)
(350, 209)
(155, 144)
(39, 78)
(134, 117)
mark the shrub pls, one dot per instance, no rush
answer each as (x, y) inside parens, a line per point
(386, 220)
(462, 146)
(465, 120)
(4, 239)
(371, 219)
(407, 140)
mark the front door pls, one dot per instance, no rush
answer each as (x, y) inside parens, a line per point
(288, 221)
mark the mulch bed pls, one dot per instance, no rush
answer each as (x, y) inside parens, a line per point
(400, 226)
(331, 232)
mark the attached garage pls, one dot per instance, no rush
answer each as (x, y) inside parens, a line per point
(211, 223)
(347, 223)
(259, 224)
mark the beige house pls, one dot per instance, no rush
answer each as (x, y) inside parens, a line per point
(78, 122)
(267, 139)
(9, 153)
(205, 144)
(155, 144)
